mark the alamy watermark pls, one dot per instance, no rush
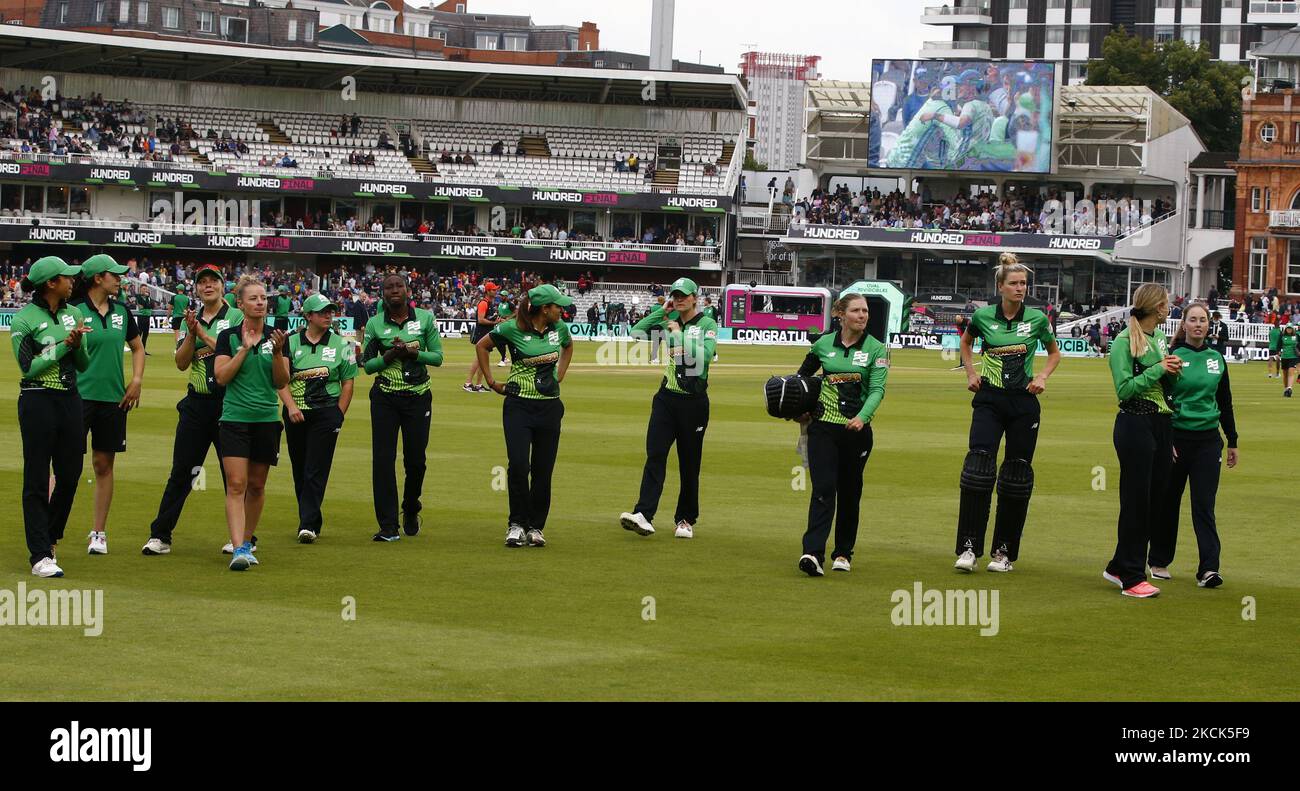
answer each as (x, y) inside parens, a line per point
(935, 607)
(58, 608)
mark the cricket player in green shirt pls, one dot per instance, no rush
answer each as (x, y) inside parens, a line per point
(48, 342)
(252, 366)
(711, 313)
(230, 297)
(180, 304)
(540, 351)
(105, 395)
(322, 367)
(1202, 402)
(144, 314)
(1144, 372)
(1289, 350)
(283, 304)
(504, 314)
(401, 342)
(198, 425)
(1006, 403)
(679, 412)
(1274, 348)
(855, 367)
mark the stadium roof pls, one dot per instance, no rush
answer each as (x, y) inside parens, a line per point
(839, 96)
(1284, 46)
(241, 64)
(1120, 103)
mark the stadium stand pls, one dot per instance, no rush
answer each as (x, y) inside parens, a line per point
(619, 160)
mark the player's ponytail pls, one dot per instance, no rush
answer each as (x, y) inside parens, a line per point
(525, 313)
(1146, 300)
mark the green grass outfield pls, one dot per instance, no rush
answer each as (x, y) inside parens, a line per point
(452, 614)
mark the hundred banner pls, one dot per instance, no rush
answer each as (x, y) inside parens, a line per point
(307, 183)
(472, 249)
(919, 238)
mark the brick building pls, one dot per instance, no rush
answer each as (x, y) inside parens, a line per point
(1267, 243)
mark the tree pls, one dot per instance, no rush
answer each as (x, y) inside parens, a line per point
(1207, 92)
(752, 164)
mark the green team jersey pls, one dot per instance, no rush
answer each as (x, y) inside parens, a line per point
(180, 304)
(1288, 347)
(1202, 396)
(103, 380)
(853, 384)
(251, 396)
(911, 146)
(203, 374)
(144, 304)
(1140, 379)
(504, 311)
(420, 330)
(231, 299)
(690, 349)
(44, 360)
(711, 313)
(1274, 339)
(282, 306)
(317, 371)
(533, 359)
(1009, 345)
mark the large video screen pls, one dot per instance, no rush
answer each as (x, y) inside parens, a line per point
(962, 115)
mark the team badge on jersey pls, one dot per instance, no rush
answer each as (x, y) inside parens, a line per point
(68, 321)
(117, 321)
(861, 358)
(1024, 329)
(329, 354)
(412, 327)
(553, 337)
(1212, 366)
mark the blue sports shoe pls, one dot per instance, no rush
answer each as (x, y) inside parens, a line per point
(242, 561)
(248, 549)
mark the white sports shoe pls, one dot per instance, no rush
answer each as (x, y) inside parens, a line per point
(1000, 564)
(45, 567)
(841, 564)
(966, 562)
(156, 547)
(637, 524)
(98, 544)
(306, 537)
(515, 537)
(503, 364)
(1160, 573)
(685, 530)
(230, 550)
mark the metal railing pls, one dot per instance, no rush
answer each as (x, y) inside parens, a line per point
(1217, 220)
(1274, 7)
(980, 9)
(964, 46)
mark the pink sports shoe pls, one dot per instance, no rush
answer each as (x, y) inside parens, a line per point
(1142, 590)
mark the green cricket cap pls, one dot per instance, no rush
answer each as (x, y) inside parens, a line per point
(48, 268)
(318, 303)
(685, 286)
(548, 295)
(99, 264)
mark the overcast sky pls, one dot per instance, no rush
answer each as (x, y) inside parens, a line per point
(847, 34)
